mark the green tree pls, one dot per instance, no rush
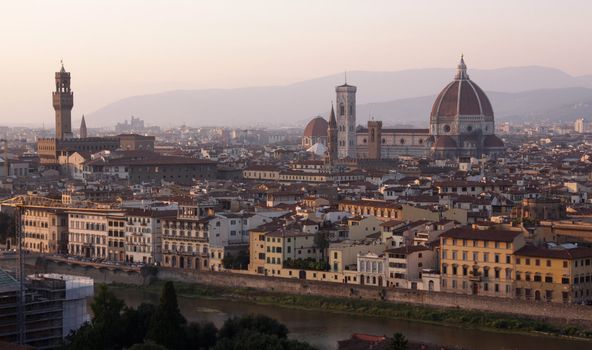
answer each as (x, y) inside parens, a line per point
(256, 323)
(136, 323)
(398, 342)
(166, 324)
(253, 340)
(105, 330)
(201, 335)
(321, 242)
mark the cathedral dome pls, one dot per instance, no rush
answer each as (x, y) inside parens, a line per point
(461, 97)
(316, 128)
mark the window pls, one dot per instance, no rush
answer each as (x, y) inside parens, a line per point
(548, 263)
(549, 279)
(527, 261)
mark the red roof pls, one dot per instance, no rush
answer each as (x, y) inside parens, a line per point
(445, 141)
(316, 128)
(492, 141)
(461, 97)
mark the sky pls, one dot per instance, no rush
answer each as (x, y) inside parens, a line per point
(120, 48)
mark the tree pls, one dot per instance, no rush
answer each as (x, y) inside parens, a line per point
(201, 335)
(136, 323)
(105, 330)
(253, 340)
(321, 241)
(166, 324)
(256, 323)
(398, 342)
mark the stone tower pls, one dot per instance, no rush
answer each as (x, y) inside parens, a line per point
(332, 137)
(63, 101)
(83, 133)
(374, 139)
(346, 121)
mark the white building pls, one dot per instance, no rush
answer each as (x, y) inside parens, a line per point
(405, 265)
(372, 269)
(143, 235)
(88, 232)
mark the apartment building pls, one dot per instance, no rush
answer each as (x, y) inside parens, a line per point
(143, 235)
(381, 209)
(283, 244)
(405, 265)
(45, 229)
(479, 262)
(560, 274)
(88, 235)
(185, 242)
(116, 238)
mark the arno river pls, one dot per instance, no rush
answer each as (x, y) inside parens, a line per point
(323, 329)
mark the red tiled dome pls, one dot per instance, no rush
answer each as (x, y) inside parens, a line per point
(316, 128)
(461, 97)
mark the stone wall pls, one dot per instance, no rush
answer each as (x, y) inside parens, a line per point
(563, 313)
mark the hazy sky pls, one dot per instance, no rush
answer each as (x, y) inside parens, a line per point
(118, 48)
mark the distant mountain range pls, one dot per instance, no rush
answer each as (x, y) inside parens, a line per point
(519, 93)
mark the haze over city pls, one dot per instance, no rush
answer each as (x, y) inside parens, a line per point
(118, 49)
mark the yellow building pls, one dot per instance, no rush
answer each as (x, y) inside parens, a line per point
(381, 209)
(479, 262)
(257, 249)
(557, 274)
(45, 230)
(281, 245)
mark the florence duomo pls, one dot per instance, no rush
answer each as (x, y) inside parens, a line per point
(461, 124)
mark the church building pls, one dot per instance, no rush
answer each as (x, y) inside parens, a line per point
(461, 124)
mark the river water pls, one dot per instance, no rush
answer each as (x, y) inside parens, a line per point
(324, 329)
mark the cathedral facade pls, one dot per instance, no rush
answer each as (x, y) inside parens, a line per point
(461, 125)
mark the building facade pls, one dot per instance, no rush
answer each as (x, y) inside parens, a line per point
(461, 124)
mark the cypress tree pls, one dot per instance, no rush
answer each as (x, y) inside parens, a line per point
(166, 326)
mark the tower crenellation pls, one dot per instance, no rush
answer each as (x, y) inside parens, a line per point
(63, 101)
